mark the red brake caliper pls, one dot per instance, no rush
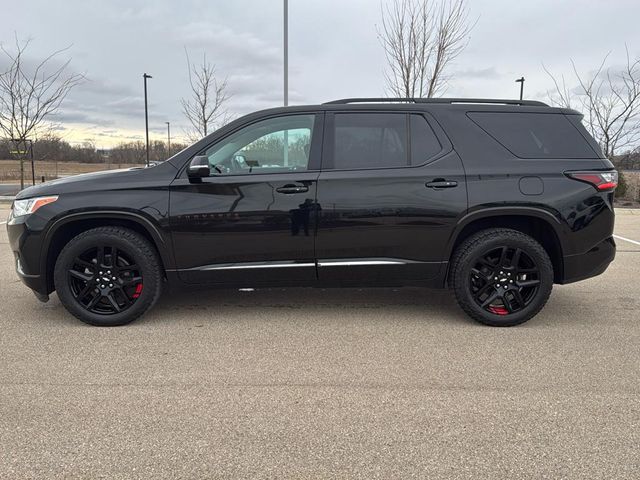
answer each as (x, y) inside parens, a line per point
(499, 310)
(138, 291)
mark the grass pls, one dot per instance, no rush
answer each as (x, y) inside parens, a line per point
(10, 169)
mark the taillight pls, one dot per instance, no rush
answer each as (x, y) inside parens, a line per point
(602, 181)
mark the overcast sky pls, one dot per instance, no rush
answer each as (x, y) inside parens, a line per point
(334, 52)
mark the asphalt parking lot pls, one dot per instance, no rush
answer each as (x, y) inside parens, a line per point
(374, 383)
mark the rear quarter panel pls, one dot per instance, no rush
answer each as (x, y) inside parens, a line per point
(582, 216)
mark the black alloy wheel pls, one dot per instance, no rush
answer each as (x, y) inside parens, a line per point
(501, 277)
(504, 280)
(105, 280)
(108, 276)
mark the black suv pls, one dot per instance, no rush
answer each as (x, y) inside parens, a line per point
(497, 199)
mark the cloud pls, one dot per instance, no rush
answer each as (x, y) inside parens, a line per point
(333, 50)
(236, 50)
(482, 73)
(80, 116)
(105, 87)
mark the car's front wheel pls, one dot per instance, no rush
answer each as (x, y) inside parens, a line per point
(108, 276)
(501, 277)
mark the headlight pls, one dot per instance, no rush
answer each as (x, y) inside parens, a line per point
(30, 205)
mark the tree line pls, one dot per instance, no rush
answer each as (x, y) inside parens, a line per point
(53, 148)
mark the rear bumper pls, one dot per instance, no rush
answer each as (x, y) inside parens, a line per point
(589, 264)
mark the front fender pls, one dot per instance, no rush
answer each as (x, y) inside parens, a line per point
(141, 218)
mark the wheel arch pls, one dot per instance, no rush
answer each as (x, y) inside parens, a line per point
(541, 225)
(64, 229)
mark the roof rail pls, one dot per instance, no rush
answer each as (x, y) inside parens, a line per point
(532, 103)
(370, 100)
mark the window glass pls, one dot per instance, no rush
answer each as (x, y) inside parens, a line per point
(274, 145)
(535, 135)
(424, 143)
(576, 121)
(369, 140)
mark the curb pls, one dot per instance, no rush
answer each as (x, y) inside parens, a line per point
(626, 211)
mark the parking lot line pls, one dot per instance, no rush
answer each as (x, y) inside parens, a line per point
(626, 239)
(2, 223)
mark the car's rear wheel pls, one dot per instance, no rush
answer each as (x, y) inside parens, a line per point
(108, 276)
(501, 277)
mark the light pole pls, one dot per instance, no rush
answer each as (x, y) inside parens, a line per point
(168, 137)
(286, 53)
(286, 76)
(146, 113)
(521, 82)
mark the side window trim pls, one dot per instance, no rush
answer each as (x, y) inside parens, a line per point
(329, 139)
(315, 149)
(441, 135)
(436, 134)
(408, 140)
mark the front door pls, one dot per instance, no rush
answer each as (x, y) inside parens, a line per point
(253, 221)
(390, 192)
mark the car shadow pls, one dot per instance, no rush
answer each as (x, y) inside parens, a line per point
(284, 304)
(409, 304)
(435, 306)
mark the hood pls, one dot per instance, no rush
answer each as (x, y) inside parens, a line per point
(103, 180)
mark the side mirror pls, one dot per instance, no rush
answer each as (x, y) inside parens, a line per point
(199, 167)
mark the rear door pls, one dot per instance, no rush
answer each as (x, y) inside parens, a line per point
(252, 222)
(389, 195)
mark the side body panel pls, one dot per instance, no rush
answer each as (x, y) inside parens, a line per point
(385, 226)
(240, 230)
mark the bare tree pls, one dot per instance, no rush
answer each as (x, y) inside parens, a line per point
(420, 39)
(609, 98)
(31, 94)
(205, 109)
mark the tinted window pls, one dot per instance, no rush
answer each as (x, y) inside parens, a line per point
(535, 135)
(279, 144)
(576, 121)
(424, 143)
(369, 140)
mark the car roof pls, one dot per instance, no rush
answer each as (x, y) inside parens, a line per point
(422, 104)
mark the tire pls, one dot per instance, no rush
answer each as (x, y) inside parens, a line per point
(128, 277)
(483, 270)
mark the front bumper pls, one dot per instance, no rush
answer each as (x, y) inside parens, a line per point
(589, 264)
(25, 246)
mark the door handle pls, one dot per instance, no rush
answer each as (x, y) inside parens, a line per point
(439, 183)
(291, 189)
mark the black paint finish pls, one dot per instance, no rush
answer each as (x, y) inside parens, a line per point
(393, 216)
(240, 219)
(384, 226)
